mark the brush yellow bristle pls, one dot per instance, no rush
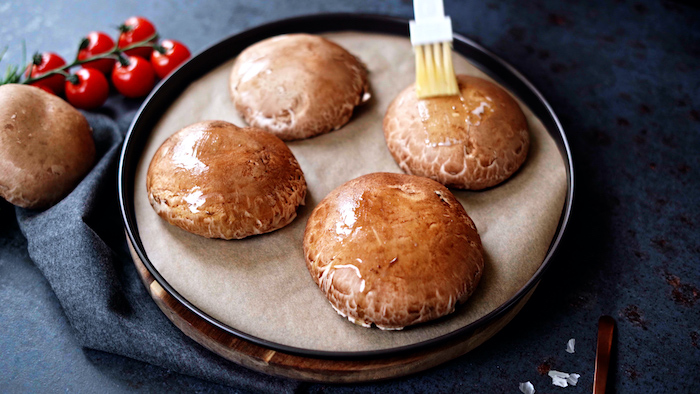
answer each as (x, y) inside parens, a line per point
(435, 75)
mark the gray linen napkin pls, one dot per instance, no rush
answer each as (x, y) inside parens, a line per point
(79, 246)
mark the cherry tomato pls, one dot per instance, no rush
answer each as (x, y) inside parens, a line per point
(168, 56)
(97, 43)
(133, 77)
(87, 88)
(43, 63)
(133, 30)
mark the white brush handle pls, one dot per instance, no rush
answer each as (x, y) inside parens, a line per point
(431, 25)
(423, 10)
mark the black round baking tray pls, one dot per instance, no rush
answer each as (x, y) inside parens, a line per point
(168, 90)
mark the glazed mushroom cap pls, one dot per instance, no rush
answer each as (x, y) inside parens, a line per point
(393, 250)
(217, 180)
(472, 141)
(46, 146)
(297, 86)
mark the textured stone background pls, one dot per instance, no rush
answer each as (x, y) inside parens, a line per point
(623, 78)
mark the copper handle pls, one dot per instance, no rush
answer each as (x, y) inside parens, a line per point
(606, 327)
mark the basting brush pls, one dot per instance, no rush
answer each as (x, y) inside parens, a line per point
(431, 37)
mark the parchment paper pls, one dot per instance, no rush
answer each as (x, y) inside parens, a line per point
(260, 285)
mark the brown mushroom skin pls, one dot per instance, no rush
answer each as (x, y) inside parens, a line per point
(217, 180)
(393, 250)
(297, 85)
(46, 146)
(472, 141)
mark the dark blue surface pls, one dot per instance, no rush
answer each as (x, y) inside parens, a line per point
(623, 78)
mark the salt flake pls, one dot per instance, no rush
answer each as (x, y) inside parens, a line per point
(570, 345)
(563, 379)
(558, 374)
(527, 388)
(573, 379)
(558, 378)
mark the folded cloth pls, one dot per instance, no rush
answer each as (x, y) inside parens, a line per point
(79, 246)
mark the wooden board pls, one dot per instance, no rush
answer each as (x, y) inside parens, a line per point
(282, 364)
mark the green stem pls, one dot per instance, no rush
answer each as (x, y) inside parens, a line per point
(110, 54)
(65, 74)
(123, 60)
(73, 78)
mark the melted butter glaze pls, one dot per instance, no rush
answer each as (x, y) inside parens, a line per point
(348, 218)
(447, 120)
(208, 156)
(195, 199)
(185, 155)
(472, 141)
(393, 241)
(214, 169)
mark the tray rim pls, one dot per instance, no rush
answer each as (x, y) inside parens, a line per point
(320, 23)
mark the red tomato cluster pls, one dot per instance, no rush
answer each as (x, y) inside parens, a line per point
(97, 43)
(133, 74)
(89, 90)
(44, 63)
